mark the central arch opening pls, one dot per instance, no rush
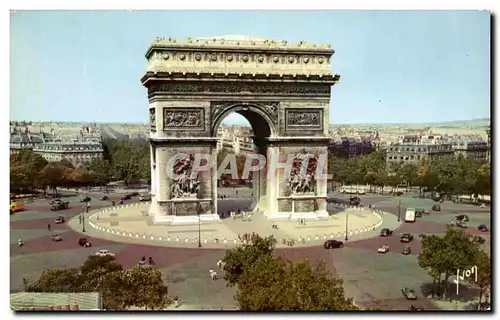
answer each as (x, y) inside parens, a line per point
(241, 130)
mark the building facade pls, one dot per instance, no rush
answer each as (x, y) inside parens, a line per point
(414, 153)
(350, 147)
(78, 153)
(24, 141)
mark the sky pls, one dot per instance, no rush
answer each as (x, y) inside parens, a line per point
(395, 66)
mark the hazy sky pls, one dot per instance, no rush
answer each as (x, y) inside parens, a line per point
(395, 66)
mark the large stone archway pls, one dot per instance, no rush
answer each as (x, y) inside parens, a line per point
(283, 91)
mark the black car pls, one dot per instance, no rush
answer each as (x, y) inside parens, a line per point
(85, 199)
(406, 237)
(462, 218)
(104, 198)
(386, 232)
(406, 250)
(354, 201)
(126, 197)
(483, 228)
(83, 242)
(436, 207)
(134, 194)
(333, 244)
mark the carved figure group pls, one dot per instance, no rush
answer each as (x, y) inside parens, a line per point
(304, 118)
(152, 118)
(179, 119)
(302, 182)
(185, 185)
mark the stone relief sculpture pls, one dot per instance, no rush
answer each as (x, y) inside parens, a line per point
(269, 107)
(185, 186)
(304, 118)
(302, 182)
(152, 118)
(182, 118)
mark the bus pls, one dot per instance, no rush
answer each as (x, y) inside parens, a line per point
(16, 206)
(410, 215)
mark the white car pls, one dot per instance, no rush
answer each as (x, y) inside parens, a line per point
(145, 197)
(383, 249)
(104, 253)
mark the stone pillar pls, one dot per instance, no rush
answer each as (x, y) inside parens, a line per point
(272, 180)
(322, 182)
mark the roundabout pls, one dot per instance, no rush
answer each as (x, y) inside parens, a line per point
(131, 223)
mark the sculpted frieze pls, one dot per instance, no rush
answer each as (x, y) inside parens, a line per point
(152, 119)
(183, 118)
(239, 88)
(301, 178)
(297, 118)
(268, 107)
(184, 183)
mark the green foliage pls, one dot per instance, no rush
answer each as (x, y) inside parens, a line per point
(443, 255)
(121, 289)
(267, 283)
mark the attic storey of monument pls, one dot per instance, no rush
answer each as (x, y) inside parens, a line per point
(283, 91)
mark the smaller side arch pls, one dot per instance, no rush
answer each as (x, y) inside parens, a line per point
(254, 113)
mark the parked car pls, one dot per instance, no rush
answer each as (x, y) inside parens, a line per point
(85, 199)
(406, 250)
(83, 242)
(483, 228)
(60, 220)
(56, 238)
(462, 217)
(61, 205)
(383, 249)
(104, 253)
(104, 198)
(406, 237)
(145, 197)
(333, 244)
(386, 232)
(126, 197)
(436, 207)
(409, 293)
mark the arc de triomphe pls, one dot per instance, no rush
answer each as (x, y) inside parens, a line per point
(283, 90)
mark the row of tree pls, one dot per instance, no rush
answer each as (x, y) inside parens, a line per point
(450, 176)
(120, 288)
(125, 160)
(456, 250)
(265, 282)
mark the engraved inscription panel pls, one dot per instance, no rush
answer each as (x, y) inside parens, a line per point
(304, 118)
(152, 119)
(183, 118)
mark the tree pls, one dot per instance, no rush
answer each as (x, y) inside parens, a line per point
(443, 255)
(483, 264)
(273, 284)
(121, 289)
(52, 175)
(238, 259)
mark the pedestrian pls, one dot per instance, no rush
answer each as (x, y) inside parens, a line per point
(80, 218)
(219, 264)
(48, 227)
(20, 242)
(176, 301)
(151, 262)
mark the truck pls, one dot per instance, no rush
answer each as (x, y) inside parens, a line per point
(410, 215)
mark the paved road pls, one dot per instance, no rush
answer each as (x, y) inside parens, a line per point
(372, 279)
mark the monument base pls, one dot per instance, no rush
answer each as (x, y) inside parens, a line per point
(185, 220)
(295, 216)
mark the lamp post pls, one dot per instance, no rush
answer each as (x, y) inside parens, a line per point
(83, 217)
(346, 224)
(199, 225)
(399, 210)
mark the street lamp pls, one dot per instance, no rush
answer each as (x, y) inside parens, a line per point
(199, 225)
(399, 210)
(346, 224)
(83, 217)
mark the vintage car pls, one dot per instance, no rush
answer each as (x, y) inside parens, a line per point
(126, 197)
(85, 199)
(104, 198)
(415, 308)
(483, 228)
(56, 238)
(462, 217)
(83, 242)
(406, 238)
(59, 205)
(386, 232)
(409, 293)
(383, 249)
(60, 220)
(145, 197)
(104, 253)
(436, 207)
(333, 244)
(406, 250)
